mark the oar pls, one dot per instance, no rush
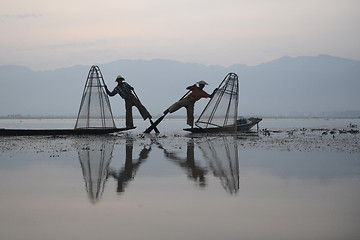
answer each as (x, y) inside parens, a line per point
(151, 121)
(153, 125)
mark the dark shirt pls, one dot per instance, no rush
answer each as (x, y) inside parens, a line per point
(123, 89)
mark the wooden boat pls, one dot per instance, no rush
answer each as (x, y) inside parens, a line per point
(54, 132)
(243, 125)
(94, 117)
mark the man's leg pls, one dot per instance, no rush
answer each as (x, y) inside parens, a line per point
(143, 111)
(129, 117)
(190, 114)
(176, 106)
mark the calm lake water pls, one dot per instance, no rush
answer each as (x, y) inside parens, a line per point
(180, 186)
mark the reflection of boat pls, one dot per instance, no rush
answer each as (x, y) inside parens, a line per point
(243, 125)
(221, 156)
(80, 131)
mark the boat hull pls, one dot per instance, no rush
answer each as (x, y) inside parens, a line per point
(241, 127)
(52, 132)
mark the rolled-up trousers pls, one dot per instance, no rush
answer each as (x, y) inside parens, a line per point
(129, 103)
(187, 102)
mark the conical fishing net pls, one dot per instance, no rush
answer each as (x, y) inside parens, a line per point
(221, 111)
(95, 110)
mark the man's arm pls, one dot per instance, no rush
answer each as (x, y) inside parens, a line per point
(191, 87)
(113, 93)
(213, 93)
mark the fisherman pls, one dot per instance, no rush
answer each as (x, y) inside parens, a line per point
(188, 102)
(125, 91)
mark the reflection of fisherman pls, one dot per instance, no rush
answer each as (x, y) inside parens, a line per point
(194, 172)
(188, 102)
(124, 90)
(127, 173)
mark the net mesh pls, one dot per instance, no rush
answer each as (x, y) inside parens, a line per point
(95, 110)
(223, 159)
(221, 110)
(95, 158)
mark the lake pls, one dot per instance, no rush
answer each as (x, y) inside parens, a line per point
(295, 179)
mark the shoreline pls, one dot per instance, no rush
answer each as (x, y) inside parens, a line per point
(333, 135)
(303, 140)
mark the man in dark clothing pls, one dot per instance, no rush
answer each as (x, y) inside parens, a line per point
(125, 91)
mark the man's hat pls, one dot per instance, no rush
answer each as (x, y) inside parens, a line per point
(119, 78)
(202, 82)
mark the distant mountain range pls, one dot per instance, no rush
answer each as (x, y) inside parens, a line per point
(302, 86)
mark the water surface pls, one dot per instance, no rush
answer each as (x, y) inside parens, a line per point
(179, 186)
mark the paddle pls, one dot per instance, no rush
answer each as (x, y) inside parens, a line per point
(151, 121)
(153, 125)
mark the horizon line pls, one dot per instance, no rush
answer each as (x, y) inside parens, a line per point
(178, 61)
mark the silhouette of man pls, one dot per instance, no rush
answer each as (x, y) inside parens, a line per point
(188, 102)
(125, 91)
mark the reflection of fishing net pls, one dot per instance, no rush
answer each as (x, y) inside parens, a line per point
(222, 155)
(95, 160)
(221, 111)
(95, 110)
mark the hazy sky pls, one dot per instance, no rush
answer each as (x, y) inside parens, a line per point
(46, 34)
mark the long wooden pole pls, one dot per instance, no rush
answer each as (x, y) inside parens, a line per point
(153, 125)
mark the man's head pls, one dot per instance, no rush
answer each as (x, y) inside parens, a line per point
(202, 84)
(119, 79)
